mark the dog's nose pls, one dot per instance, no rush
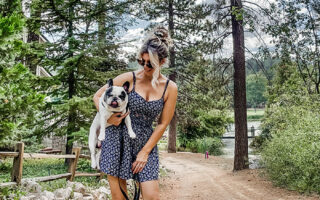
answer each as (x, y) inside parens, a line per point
(115, 99)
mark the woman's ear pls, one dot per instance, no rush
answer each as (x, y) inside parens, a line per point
(163, 60)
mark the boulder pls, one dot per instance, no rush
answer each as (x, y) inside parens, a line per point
(63, 193)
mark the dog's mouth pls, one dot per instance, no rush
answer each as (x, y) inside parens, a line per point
(114, 104)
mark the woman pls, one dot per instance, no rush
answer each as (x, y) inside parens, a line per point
(150, 94)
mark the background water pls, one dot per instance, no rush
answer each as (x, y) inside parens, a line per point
(229, 143)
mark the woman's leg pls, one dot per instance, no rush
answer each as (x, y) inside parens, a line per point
(115, 189)
(150, 190)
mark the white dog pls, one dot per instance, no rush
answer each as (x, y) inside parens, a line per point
(114, 99)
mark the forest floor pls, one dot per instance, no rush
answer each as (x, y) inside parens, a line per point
(191, 177)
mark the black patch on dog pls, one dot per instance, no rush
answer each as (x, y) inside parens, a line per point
(108, 93)
(122, 96)
(126, 86)
(110, 82)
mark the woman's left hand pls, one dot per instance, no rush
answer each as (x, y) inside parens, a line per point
(140, 162)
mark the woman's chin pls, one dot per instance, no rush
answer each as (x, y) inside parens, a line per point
(148, 72)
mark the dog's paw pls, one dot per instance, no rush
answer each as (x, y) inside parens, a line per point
(101, 138)
(132, 135)
(93, 165)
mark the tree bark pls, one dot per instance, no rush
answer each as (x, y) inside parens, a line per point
(102, 22)
(172, 76)
(71, 92)
(240, 110)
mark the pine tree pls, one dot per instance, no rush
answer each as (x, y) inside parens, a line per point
(19, 101)
(184, 19)
(81, 55)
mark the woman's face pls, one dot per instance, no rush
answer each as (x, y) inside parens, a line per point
(146, 59)
(147, 70)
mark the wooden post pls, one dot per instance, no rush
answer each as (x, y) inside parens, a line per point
(73, 163)
(16, 174)
(252, 131)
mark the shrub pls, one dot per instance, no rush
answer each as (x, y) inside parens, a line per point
(292, 157)
(200, 145)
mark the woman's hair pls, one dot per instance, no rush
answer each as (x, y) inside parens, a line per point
(156, 44)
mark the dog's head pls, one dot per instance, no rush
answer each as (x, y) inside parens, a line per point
(116, 96)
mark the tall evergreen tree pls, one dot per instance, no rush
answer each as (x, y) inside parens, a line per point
(81, 55)
(19, 101)
(185, 20)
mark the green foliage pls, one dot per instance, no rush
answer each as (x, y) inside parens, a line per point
(291, 157)
(11, 193)
(203, 107)
(297, 37)
(256, 87)
(286, 91)
(289, 142)
(200, 145)
(19, 101)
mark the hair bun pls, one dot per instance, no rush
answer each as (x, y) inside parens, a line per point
(162, 33)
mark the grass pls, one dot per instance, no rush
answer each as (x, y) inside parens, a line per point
(45, 167)
(252, 115)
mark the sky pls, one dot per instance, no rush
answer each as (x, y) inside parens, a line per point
(252, 42)
(136, 32)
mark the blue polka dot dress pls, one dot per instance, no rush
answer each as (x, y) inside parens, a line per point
(118, 143)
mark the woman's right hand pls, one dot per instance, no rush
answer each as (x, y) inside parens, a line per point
(116, 118)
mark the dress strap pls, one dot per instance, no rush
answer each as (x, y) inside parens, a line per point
(134, 81)
(165, 88)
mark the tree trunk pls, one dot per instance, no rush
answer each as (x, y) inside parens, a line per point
(240, 111)
(71, 92)
(32, 36)
(172, 76)
(102, 22)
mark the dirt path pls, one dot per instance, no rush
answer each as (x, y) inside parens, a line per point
(191, 177)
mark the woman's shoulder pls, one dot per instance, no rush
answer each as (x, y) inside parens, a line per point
(172, 85)
(122, 78)
(172, 88)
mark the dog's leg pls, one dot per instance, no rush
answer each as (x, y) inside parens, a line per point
(103, 118)
(93, 140)
(129, 127)
(98, 154)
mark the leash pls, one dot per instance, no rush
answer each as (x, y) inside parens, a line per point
(136, 191)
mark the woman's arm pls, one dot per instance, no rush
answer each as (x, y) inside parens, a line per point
(165, 118)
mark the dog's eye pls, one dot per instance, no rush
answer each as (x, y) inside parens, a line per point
(122, 95)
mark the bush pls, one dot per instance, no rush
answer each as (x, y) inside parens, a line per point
(211, 144)
(205, 125)
(292, 157)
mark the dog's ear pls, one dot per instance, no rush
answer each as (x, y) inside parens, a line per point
(110, 82)
(126, 86)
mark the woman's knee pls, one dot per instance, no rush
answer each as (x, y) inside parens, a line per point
(115, 189)
(150, 190)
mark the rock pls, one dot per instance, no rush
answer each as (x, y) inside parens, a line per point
(31, 186)
(63, 193)
(29, 197)
(48, 195)
(101, 193)
(88, 197)
(77, 196)
(104, 190)
(104, 182)
(77, 187)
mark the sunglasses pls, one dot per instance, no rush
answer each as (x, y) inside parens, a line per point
(142, 63)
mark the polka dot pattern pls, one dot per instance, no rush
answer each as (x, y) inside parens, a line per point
(142, 114)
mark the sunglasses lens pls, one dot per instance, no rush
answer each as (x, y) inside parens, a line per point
(149, 65)
(142, 63)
